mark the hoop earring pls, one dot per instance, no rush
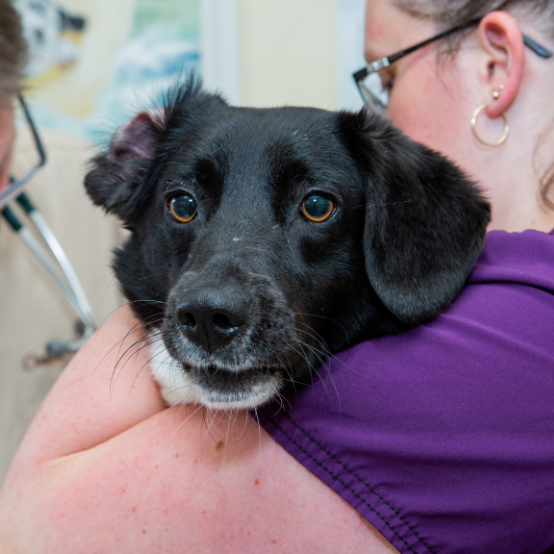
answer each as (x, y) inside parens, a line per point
(504, 136)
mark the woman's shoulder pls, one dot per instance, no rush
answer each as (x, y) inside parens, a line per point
(525, 258)
(428, 432)
(503, 317)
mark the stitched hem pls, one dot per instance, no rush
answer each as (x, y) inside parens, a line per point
(345, 482)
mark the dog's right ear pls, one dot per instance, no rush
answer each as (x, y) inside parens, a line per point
(118, 176)
(425, 220)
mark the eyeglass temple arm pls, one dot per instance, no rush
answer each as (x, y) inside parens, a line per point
(7, 195)
(536, 47)
(36, 138)
(529, 42)
(399, 55)
(385, 62)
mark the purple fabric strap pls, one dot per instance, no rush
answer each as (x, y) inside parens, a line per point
(443, 437)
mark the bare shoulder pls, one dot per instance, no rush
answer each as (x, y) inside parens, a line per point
(244, 493)
(182, 481)
(117, 467)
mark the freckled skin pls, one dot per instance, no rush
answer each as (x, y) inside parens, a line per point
(67, 487)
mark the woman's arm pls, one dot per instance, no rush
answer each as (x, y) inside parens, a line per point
(106, 468)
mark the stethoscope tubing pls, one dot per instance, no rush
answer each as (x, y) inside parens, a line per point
(60, 270)
(79, 297)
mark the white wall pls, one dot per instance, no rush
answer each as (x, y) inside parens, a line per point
(288, 53)
(350, 16)
(271, 52)
(219, 47)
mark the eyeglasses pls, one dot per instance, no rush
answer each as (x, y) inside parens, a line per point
(376, 96)
(16, 184)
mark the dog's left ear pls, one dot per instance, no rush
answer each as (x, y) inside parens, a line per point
(425, 221)
(117, 176)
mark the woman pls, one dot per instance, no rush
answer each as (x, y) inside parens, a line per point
(13, 53)
(442, 438)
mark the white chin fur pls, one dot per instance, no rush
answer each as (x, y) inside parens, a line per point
(177, 387)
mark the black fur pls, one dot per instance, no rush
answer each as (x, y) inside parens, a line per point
(407, 229)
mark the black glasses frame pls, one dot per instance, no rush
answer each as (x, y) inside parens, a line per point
(15, 187)
(382, 63)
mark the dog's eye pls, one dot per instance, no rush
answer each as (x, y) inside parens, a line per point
(182, 208)
(317, 207)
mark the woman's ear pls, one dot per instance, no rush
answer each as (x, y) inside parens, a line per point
(502, 42)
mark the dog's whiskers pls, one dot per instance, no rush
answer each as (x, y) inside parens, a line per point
(151, 358)
(289, 374)
(314, 369)
(322, 358)
(183, 422)
(328, 354)
(144, 301)
(120, 342)
(320, 317)
(130, 351)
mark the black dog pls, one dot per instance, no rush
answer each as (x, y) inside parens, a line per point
(262, 240)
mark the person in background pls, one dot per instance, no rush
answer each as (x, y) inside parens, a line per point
(445, 445)
(13, 55)
(33, 312)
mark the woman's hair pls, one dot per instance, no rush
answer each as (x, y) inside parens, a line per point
(452, 13)
(13, 51)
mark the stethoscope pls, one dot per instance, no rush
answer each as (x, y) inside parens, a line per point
(48, 250)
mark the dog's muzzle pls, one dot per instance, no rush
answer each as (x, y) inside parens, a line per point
(226, 343)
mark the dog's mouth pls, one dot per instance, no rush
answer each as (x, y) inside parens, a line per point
(214, 385)
(221, 388)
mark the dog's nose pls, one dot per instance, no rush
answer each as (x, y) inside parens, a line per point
(211, 318)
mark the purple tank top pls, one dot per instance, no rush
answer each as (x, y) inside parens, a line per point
(443, 437)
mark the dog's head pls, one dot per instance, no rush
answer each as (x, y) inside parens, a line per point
(264, 239)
